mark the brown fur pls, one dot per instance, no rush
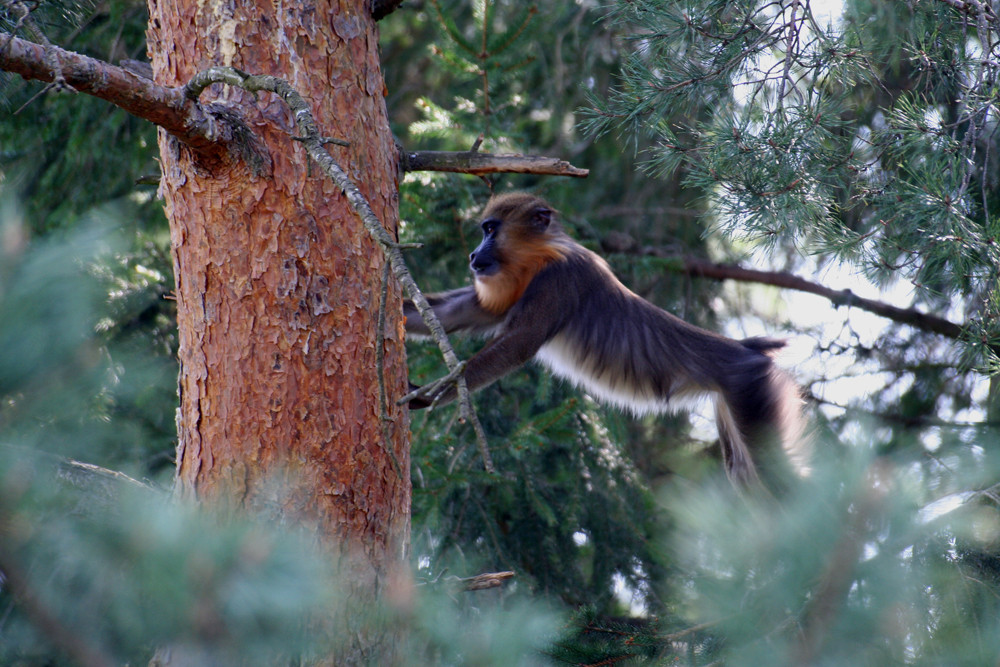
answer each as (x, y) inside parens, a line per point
(544, 296)
(498, 293)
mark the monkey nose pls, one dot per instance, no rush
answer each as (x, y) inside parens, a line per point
(473, 264)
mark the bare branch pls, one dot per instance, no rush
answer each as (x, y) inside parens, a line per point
(973, 8)
(216, 130)
(383, 412)
(844, 297)
(908, 421)
(702, 268)
(485, 580)
(431, 388)
(477, 428)
(137, 95)
(474, 162)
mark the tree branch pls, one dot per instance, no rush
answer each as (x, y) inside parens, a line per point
(702, 268)
(484, 581)
(383, 412)
(137, 95)
(474, 162)
(973, 8)
(845, 297)
(907, 421)
(217, 129)
(214, 129)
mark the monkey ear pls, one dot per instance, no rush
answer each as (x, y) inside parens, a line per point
(541, 216)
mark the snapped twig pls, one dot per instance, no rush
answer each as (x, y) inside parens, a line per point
(478, 164)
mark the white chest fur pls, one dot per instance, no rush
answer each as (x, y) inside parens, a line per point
(561, 357)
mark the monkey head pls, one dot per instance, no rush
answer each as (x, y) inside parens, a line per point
(520, 237)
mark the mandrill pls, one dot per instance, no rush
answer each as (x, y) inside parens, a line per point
(542, 295)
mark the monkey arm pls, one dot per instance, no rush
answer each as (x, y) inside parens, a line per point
(518, 341)
(499, 357)
(458, 310)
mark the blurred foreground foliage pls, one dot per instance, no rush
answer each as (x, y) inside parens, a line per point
(97, 568)
(863, 564)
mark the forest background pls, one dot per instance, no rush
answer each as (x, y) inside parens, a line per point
(823, 173)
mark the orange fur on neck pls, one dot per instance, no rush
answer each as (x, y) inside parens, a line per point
(499, 292)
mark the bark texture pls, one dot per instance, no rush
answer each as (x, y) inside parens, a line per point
(278, 283)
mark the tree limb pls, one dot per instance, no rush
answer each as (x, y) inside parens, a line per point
(474, 162)
(845, 297)
(213, 129)
(383, 412)
(220, 130)
(908, 421)
(161, 105)
(484, 581)
(974, 8)
(702, 268)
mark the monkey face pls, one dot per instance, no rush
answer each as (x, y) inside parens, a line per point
(484, 260)
(519, 239)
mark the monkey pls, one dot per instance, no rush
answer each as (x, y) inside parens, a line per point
(540, 294)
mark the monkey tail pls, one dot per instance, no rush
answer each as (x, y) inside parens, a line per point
(759, 412)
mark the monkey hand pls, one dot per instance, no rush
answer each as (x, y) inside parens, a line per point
(419, 402)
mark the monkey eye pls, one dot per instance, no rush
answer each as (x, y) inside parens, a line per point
(490, 226)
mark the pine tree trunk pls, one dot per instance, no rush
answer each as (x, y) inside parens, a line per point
(278, 285)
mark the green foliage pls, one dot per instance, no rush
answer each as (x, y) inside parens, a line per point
(858, 567)
(565, 510)
(63, 154)
(799, 135)
(865, 563)
(72, 161)
(152, 573)
(476, 632)
(868, 138)
(58, 372)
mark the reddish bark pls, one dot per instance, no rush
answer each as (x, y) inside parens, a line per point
(278, 282)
